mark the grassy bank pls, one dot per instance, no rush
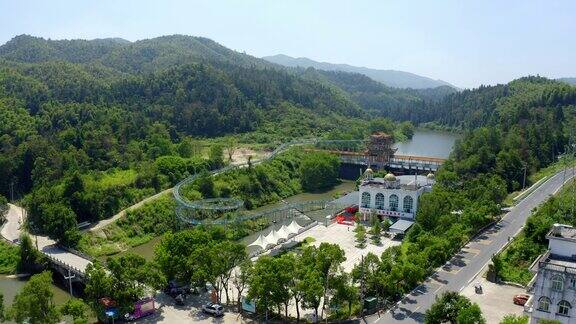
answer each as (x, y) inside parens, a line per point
(9, 257)
(531, 242)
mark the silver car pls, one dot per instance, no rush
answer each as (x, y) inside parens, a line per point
(213, 309)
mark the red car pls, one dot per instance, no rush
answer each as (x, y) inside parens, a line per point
(521, 299)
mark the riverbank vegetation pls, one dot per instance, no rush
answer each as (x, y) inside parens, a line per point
(9, 258)
(258, 185)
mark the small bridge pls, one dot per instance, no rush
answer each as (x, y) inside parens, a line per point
(397, 161)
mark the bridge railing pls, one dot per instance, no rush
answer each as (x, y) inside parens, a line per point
(79, 273)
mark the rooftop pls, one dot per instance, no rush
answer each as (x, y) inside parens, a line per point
(554, 262)
(563, 231)
(403, 181)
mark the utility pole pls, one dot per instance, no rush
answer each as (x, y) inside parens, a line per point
(69, 278)
(524, 179)
(12, 191)
(362, 287)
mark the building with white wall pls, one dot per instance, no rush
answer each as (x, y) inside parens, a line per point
(554, 286)
(392, 196)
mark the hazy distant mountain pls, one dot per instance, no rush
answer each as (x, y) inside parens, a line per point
(571, 81)
(391, 78)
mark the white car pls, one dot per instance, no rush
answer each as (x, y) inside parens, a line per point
(213, 309)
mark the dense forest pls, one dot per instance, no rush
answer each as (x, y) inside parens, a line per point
(90, 127)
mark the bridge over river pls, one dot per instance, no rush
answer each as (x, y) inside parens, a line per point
(72, 265)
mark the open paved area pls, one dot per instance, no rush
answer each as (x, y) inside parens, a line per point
(495, 300)
(343, 236)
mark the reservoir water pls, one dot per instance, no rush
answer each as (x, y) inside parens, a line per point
(428, 143)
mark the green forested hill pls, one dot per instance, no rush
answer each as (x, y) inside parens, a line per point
(87, 106)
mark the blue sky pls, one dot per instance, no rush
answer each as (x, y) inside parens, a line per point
(467, 43)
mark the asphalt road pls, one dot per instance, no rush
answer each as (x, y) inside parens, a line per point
(464, 266)
(11, 229)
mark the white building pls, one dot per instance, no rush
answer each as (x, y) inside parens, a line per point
(554, 285)
(393, 196)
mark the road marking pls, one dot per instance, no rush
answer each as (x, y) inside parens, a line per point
(473, 251)
(485, 242)
(435, 291)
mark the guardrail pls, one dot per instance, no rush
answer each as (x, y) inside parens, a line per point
(81, 275)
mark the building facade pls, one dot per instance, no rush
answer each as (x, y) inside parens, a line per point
(392, 196)
(554, 286)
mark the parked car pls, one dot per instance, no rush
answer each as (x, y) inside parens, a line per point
(521, 299)
(174, 289)
(213, 309)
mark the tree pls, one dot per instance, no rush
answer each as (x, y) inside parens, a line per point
(263, 283)
(360, 235)
(205, 185)
(514, 319)
(376, 231)
(216, 156)
(30, 258)
(343, 291)
(99, 283)
(471, 314)
(3, 206)
(231, 144)
(240, 278)
(318, 171)
(60, 224)
(231, 254)
(312, 289)
(35, 302)
(386, 224)
(76, 308)
(125, 280)
(453, 308)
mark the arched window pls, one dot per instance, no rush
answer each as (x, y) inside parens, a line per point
(408, 204)
(379, 201)
(564, 308)
(558, 283)
(544, 304)
(366, 199)
(393, 202)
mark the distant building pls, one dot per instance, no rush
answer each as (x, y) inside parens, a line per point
(554, 285)
(392, 196)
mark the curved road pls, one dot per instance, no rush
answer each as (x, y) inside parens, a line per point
(11, 231)
(466, 265)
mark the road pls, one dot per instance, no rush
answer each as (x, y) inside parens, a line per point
(120, 214)
(11, 231)
(464, 266)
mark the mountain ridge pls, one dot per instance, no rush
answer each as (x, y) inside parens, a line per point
(391, 78)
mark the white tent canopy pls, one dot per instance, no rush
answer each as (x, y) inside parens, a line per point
(283, 233)
(259, 242)
(294, 227)
(272, 238)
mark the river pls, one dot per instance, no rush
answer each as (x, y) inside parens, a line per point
(9, 287)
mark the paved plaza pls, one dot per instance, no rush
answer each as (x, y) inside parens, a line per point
(343, 236)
